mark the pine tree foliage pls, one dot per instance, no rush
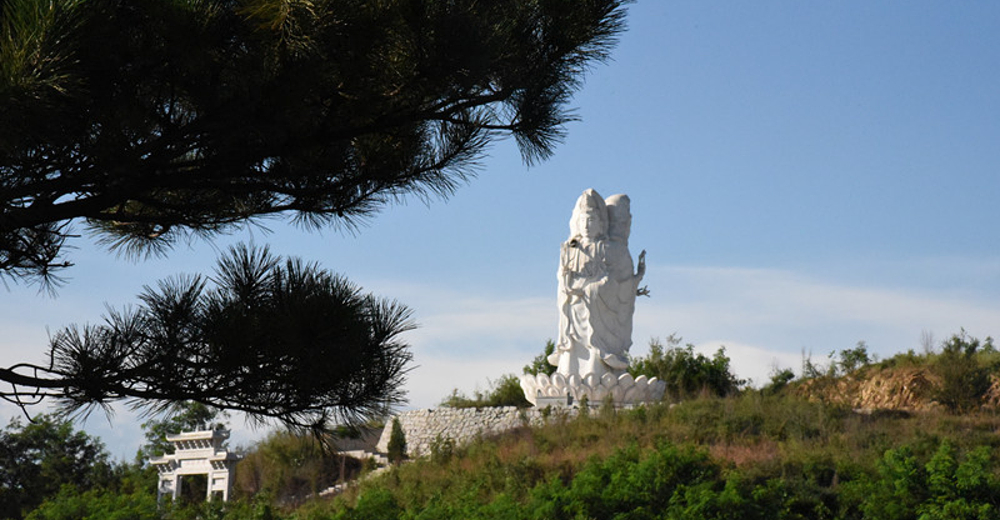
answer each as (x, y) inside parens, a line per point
(156, 120)
(270, 338)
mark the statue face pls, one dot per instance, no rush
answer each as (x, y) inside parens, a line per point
(590, 225)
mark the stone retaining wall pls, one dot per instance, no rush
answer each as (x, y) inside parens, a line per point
(461, 425)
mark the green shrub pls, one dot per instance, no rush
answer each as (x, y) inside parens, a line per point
(854, 358)
(505, 391)
(540, 365)
(686, 373)
(905, 359)
(896, 490)
(442, 449)
(949, 485)
(376, 504)
(290, 467)
(964, 380)
(779, 381)
(97, 504)
(667, 482)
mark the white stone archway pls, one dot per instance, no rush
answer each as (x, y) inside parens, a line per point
(196, 453)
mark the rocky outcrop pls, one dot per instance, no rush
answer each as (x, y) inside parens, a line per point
(905, 389)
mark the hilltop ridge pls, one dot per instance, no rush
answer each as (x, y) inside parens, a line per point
(963, 376)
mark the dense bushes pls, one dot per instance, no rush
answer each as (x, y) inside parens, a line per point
(505, 391)
(927, 477)
(687, 373)
(949, 485)
(682, 482)
(290, 467)
(98, 504)
(964, 366)
(666, 482)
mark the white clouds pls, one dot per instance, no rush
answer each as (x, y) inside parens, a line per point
(765, 318)
(785, 312)
(748, 297)
(469, 341)
(755, 364)
(479, 327)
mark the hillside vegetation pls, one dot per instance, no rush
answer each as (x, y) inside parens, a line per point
(913, 436)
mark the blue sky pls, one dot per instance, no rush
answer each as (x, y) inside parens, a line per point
(803, 176)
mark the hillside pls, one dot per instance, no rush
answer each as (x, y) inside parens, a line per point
(913, 436)
(751, 456)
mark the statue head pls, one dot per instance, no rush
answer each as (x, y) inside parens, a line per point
(619, 217)
(590, 217)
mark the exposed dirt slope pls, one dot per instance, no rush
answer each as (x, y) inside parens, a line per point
(898, 388)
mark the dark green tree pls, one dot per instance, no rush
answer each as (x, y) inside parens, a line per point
(267, 337)
(854, 358)
(541, 365)
(157, 119)
(38, 458)
(397, 442)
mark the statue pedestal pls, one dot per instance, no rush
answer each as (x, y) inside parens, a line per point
(564, 401)
(542, 390)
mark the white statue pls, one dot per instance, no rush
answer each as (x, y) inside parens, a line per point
(585, 334)
(626, 283)
(596, 297)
